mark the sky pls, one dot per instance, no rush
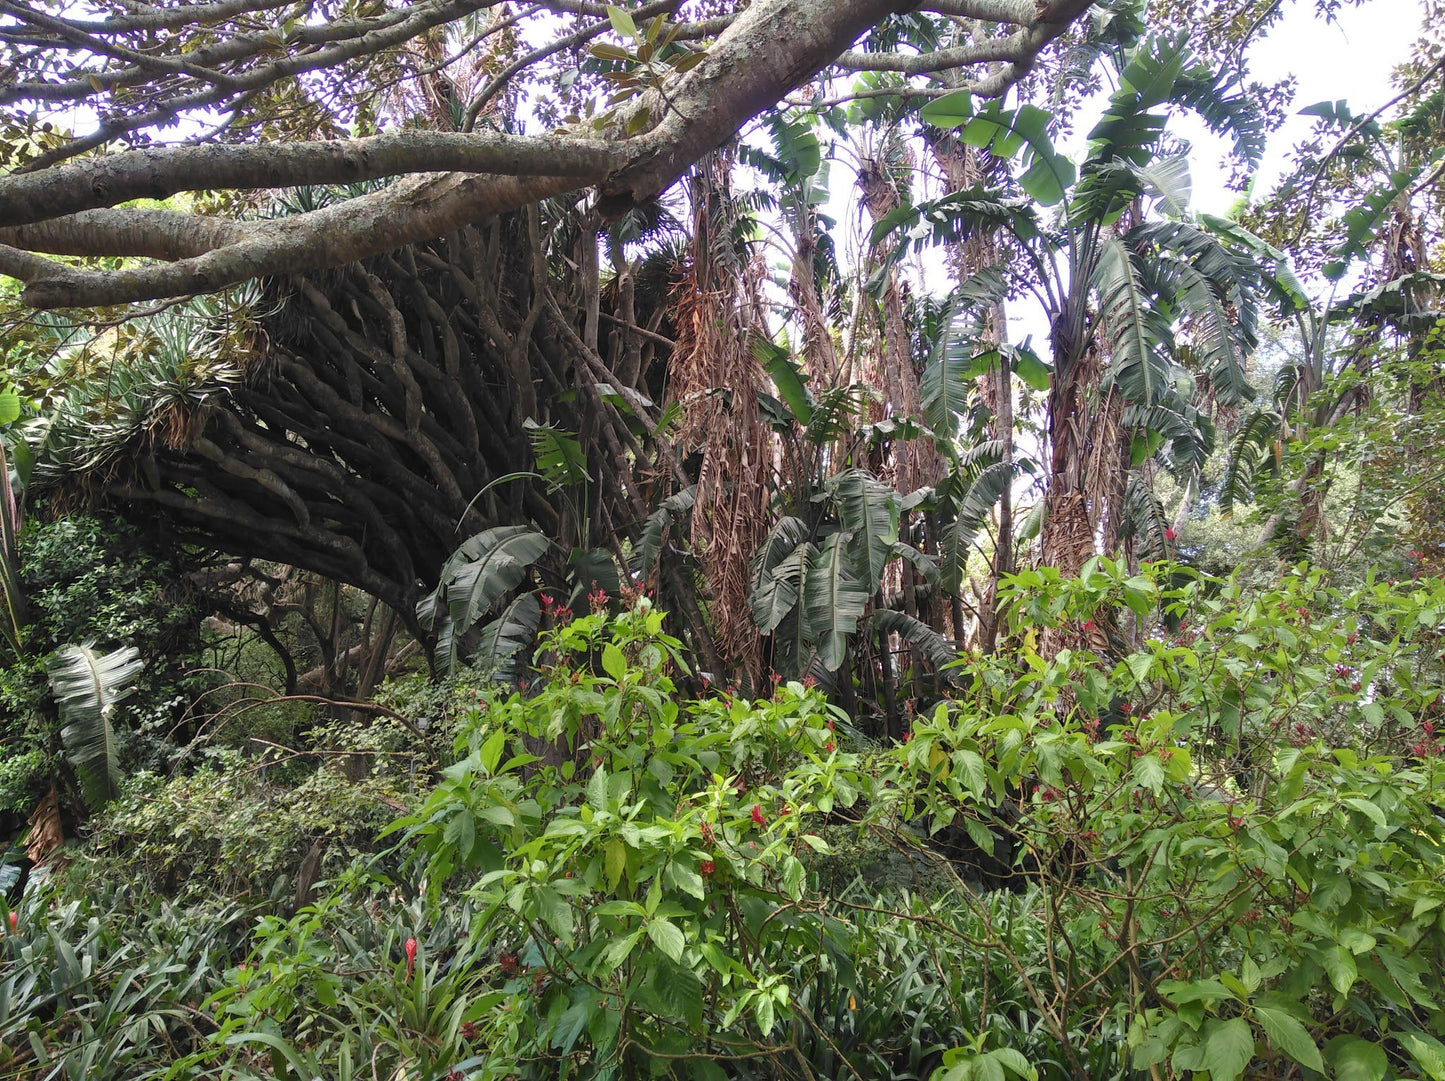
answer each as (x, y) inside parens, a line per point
(1350, 58)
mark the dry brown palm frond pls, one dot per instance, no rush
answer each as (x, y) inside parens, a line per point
(714, 373)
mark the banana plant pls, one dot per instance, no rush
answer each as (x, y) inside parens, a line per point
(1146, 303)
(485, 568)
(814, 579)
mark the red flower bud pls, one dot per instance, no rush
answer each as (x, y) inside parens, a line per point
(410, 949)
(758, 815)
(1170, 533)
(707, 867)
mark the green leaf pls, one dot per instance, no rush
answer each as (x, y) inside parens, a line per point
(613, 662)
(615, 861)
(491, 752)
(499, 641)
(572, 1024)
(87, 686)
(618, 949)
(868, 510)
(764, 1014)
(1226, 1048)
(1339, 964)
(1369, 810)
(679, 990)
(9, 406)
(787, 377)
(597, 788)
(484, 567)
(779, 581)
(673, 508)
(667, 937)
(1027, 366)
(1047, 174)
(621, 22)
(1428, 1053)
(1139, 337)
(834, 600)
(1355, 1059)
(950, 111)
(1285, 1032)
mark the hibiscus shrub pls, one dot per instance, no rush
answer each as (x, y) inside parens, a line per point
(1235, 828)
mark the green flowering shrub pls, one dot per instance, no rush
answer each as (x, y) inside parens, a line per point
(1221, 854)
(635, 864)
(1235, 829)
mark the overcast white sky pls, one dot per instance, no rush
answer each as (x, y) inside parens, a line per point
(1350, 58)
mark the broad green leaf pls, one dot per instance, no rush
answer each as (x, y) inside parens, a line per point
(667, 937)
(1355, 1059)
(613, 662)
(1225, 1048)
(1428, 1053)
(1285, 1032)
(787, 377)
(622, 21)
(950, 111)
(87, 686)
(615, 859)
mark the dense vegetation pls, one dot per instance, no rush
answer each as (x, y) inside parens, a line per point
(548, 620)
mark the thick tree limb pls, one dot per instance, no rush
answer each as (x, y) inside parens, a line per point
(158, 174)
(768, 49)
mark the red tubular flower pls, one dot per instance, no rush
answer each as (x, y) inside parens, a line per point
(410, 949)
(706, 867)
(758, 815)
(1170, 533)
(828, 746)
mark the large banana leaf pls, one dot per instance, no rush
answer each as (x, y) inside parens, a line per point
(833, 601)
(501, 640)
(868, 509)
(976, 499)
(1137, 335)
(87, 685)
(778, 586)
(1047, 174)
(477, 575)
(935, 647)
(672, 509)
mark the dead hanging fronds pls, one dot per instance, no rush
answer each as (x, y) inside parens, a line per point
(714, 374)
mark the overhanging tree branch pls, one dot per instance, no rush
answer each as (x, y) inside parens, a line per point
(765, 51)
(158, 174)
